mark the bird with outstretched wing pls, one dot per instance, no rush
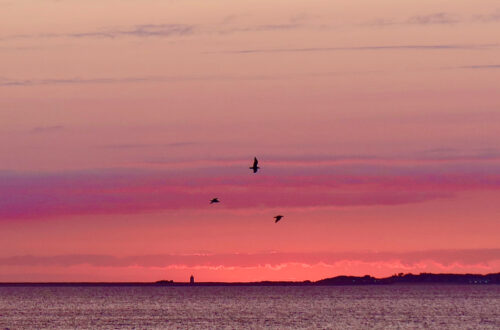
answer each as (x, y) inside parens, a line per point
(278, 218)
(255, 166)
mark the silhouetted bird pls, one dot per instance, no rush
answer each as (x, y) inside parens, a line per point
(214, 200)
(255, 168)
(278, 218)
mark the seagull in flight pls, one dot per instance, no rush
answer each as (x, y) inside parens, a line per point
(214, 200)
(278, 218)
(254, 167)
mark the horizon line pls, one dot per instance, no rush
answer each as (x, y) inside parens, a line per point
(164, 282)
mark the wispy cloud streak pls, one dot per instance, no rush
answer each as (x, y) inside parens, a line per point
(273, 259)
(6, 82)
(159, 31)
(261, 28)
(441, 18)
(81, 81)
(480, 66)
(437, 18)
(488, 18)
(144, 30)
(365, 48)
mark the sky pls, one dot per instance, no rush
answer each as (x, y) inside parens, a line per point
(376, 124)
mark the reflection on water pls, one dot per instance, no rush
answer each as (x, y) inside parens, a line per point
(417, 306)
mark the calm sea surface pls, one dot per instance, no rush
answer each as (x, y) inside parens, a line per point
(353, 307)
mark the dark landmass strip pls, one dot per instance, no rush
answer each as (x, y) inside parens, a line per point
(423, 278)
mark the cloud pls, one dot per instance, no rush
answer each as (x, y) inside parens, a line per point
(480, 66)
(296, 184)
(159, 30)
(6, 82)
(81, 81)
(144, 30)
(295, 22)
(444, 258)
(49, 196)
(84, 81)
(488, 18)
(440, 18)
(437, 18)
(364, 48)
(261, 28)
(452, 154)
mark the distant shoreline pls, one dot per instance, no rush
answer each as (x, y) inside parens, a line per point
(423, 278)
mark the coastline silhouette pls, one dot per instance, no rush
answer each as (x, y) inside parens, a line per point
(406, 279)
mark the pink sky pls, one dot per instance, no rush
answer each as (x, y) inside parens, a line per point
(377, 126)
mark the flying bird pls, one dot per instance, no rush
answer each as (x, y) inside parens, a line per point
(278, 218)
(214, 200)
(254, 167)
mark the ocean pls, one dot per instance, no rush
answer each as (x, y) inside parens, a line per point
(236, 307)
